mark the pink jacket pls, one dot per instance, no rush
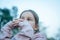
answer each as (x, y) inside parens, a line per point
(27, 33)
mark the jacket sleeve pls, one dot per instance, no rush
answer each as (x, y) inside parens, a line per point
(25, 34)
(40, 36)
(5, 32)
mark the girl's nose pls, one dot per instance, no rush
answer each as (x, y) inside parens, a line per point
(25, 20)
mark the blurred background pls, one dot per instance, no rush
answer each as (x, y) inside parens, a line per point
(47, 10)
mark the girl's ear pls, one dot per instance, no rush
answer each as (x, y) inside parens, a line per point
(36, 27)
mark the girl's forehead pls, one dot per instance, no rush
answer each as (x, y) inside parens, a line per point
(27, 14)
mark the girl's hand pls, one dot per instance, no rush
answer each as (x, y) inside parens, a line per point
(16, 22)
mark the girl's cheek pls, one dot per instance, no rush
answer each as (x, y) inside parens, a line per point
(32, 24)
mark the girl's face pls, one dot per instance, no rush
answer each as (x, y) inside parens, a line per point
(30, 18)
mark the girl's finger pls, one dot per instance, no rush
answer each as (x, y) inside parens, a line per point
(21, 20)
(18, 20)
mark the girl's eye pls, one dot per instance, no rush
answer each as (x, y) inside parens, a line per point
(28, 19)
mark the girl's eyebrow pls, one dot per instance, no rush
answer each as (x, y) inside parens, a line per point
(29, 17)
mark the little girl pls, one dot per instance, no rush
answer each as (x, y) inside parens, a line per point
(26, 28)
